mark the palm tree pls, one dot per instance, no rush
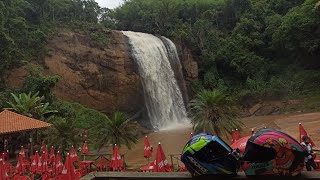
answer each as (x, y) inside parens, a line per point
(212, 112)
(118, 129)
(63, 134)
(30, 105)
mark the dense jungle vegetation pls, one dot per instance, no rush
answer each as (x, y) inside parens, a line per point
(254, 47)
(257, 48)
(248, 48)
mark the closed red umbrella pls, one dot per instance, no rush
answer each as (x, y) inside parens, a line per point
(240, 144)
(51, 156)
(58, 164)
(233, 136)
(161, 163)
(39, 163)
(191, 135)
(46, 153)
(73, 155)
(116, 161)
(22, 153)
(303, 132)
(147, 153)
(19, 167)
(44, 158)
(68, 172)
(237, 134)
(34, 162)
(3, 171)
(85, 149)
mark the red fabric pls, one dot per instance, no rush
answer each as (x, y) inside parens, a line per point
(34, 162)
(18, 177)
(116, 161)
(147, 168)
(22, 153)
(303, 132)
(161, 163)
(100, 164)
(44, 158)
(68, 172)
(58, 164)
(3, 172)
(85, 149)
(19, 166)
(43, 145)
(240, 144)
(147, 153)
(237, 134)
(233, 136)
(182, 168)
(190, 136)
(46, 153)
(73, 155)
(51, 156)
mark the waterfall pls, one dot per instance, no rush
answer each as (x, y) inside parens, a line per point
(177, 67)
(163, 98)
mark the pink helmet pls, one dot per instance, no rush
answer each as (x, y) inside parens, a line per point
(273, 152)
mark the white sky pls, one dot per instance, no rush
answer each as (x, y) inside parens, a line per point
(109, 3)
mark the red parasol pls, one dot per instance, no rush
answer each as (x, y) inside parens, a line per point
(22, 153)
(68, 172)
(147, 153)
(39, 163)
(240, 144)
(58, 164)
(85, 149)
(51, 156)
(3, 171)
(73, 155)
(303, 132)
(237, 134)
(19, 166)
(161, 163)
(191, 135)
(43, 145)
(46, 153)
(44, 158)
(116, 161)
(34, 162)
(233, 138)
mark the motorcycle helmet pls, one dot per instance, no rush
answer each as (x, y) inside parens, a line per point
(273, 152)
(205, 154)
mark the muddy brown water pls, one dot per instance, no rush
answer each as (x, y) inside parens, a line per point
(173, 141)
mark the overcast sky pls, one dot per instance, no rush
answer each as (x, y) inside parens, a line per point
(109, 3)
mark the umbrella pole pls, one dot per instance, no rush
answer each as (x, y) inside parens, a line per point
(84, 157)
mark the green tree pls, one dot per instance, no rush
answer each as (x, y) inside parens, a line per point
(63, 134)
(30, 105)
(212, 112)
(118, 129)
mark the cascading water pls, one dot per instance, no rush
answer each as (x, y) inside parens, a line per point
(163, 97)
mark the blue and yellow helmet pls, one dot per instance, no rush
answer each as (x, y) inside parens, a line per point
(205, 154)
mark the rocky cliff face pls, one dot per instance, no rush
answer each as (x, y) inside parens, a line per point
(106, 79)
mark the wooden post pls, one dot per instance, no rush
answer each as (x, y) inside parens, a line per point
(124, 163)
(171, 161)
(31, 144)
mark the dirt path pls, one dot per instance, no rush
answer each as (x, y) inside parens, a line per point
(173, 141)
